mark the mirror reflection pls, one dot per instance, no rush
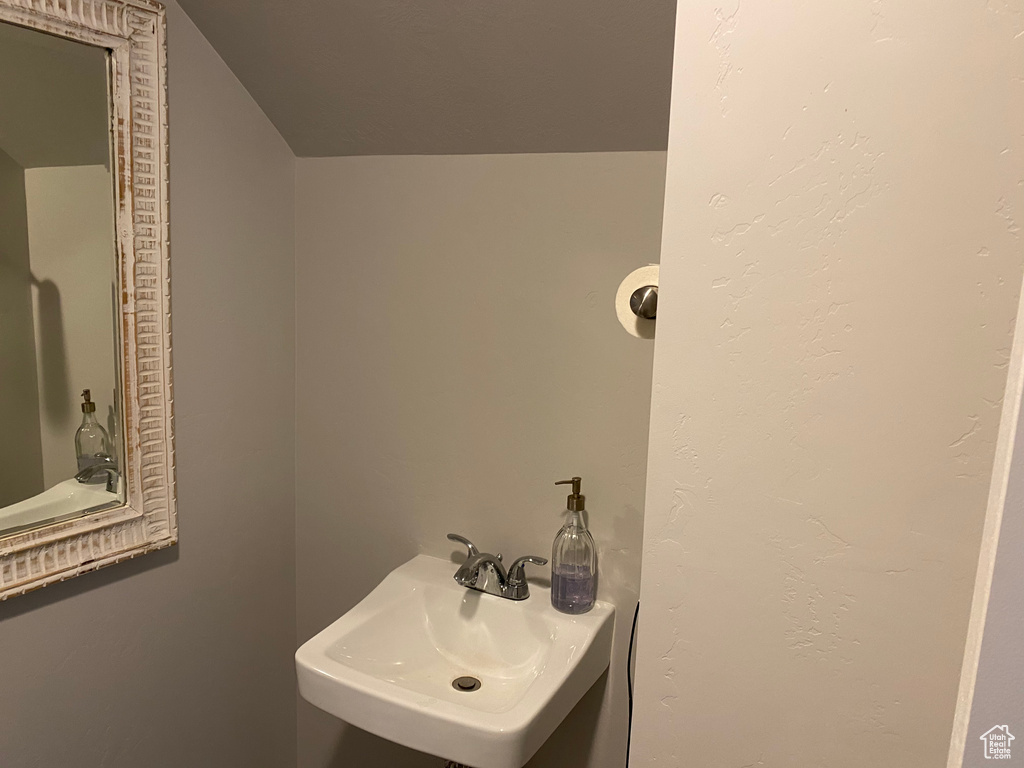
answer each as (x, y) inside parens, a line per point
(60, 448)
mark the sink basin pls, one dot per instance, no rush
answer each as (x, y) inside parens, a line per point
(388, 665)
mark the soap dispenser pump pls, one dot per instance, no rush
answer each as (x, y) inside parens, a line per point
(574, 558)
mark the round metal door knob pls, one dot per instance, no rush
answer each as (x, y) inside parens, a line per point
(644, 302)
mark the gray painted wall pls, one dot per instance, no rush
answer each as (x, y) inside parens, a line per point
(184, 657)
(458, 352)
(21, 459)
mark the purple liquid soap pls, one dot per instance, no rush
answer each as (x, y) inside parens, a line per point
(572, 589)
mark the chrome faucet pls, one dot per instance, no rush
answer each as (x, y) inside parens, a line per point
(107, 466)
(485, 572)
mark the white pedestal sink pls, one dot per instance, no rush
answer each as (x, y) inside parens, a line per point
(388, 666)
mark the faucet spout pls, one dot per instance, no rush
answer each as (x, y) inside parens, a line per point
(469, 574)
(106, 466)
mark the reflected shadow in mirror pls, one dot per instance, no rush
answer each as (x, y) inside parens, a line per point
(51, 354)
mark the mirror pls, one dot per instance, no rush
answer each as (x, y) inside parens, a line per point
(87, 444)
(59, 455)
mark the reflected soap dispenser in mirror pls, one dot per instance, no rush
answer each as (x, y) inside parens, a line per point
(574, 558)
(92, 444)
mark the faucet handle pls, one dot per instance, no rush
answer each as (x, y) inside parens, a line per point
(516, 573)
(516, 587)
(463, 540)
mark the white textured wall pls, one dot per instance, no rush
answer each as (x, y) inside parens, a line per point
(184, 657)
(72, 257)
(458, 352)
(841, 263)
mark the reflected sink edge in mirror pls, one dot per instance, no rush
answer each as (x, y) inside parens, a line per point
(63, 501)
(388, 666)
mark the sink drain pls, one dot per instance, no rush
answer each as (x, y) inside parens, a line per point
(465, 683)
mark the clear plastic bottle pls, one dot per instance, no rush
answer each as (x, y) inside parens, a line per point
(92, 444)
(574, 559)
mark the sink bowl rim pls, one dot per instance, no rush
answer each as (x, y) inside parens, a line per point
(370, 695)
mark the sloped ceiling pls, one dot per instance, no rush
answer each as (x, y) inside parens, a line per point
(385, 77)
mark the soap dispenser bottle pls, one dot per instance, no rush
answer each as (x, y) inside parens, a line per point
(92, 445)
(574, 559)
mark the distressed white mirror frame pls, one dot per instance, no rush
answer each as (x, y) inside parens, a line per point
(134, 31)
